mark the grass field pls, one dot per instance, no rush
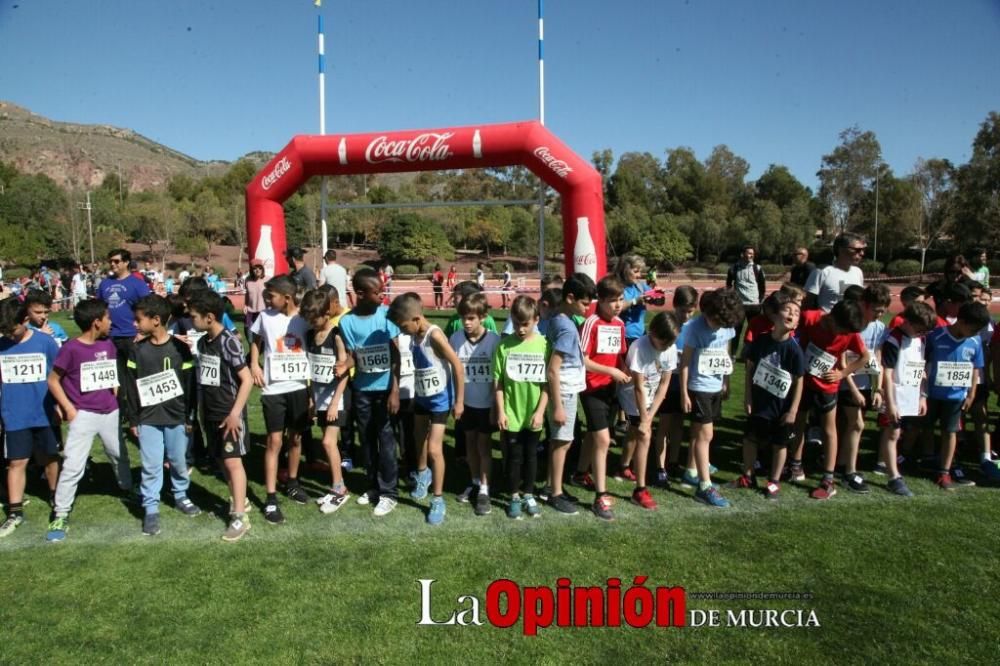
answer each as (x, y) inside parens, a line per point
(892, 580)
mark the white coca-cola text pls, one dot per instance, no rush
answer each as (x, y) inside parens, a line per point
(279, 170)
(426, 147)
(560, 167)
(589, 259)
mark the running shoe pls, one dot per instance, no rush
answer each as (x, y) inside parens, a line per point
(642, 497)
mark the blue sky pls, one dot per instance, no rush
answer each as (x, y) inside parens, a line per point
(775, 80)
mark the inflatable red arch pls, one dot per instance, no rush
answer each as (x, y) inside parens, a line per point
(525, 143)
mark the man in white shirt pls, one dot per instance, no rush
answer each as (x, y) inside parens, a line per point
(825, 286)
(334, 275)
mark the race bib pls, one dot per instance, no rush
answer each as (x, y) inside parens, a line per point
(321, 368)
(609, 340)
(289, 367)
(478, 370)
(772, 379)
(526, 367)
(22, 368)
(715, 361)
(428, 381)
(375, 359)
(912, 373)
(159, 388)
(209, 368)
(98, 375)
(871, 367)
(953, 374)
(193, 337)
(818, 362)
(405, 363)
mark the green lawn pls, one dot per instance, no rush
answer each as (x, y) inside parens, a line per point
(892, 580)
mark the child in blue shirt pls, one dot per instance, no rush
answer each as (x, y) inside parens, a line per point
(370, 337)
(27, 409)
(954, 363)
(705, 369)
(39, 305)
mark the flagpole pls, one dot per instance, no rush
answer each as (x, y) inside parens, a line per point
(541, 119)
(322, 125)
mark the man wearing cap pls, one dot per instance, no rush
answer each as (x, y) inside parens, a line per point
(298, 271)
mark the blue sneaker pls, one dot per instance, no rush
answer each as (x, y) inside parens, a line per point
(514, 509)
(712, 469)
(347, 464)
(990, 470)
(689, 479)
(57, 530)
(422, 482)
(711, 497)
(436, 515)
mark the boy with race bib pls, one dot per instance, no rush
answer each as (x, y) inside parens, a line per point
(520, 398)
(83, 382)
(439, 387)
(954, 363)
(280, 338)
(326, 351)
(651, 359)
(904, 385)
(26, 358)
(705, 369)
(824, 337)
(370, 337)
(225, 384)
(774, 369)
(160, 408)
(474, 346)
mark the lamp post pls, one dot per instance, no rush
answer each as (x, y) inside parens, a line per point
(90, 225)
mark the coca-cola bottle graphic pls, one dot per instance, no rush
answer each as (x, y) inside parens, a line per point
(477, 145)
(584, 254)
(265, 250)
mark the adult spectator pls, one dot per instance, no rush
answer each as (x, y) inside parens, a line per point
(334, 275)
(747, 278)
(253, 300)
(956, 270)
(151, 274)
(825, 286)
(121, 290)
(802, 268)
(78, 285)
(212, 279)
(298, 271)
(183, 275)
(979, 271)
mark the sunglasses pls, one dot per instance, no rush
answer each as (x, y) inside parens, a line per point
(115, 261)
(857, 250)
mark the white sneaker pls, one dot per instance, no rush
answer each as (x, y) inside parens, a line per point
(385, 505)
(332, 501)
(364, 498)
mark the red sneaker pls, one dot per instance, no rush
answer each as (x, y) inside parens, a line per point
(643, 499)
(744, 481)
(944, 481)
(583, 480)
(824, 491)
(627, 474)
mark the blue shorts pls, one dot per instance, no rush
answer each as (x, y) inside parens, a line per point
(20, 444)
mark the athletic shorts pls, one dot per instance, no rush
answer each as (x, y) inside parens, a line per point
(437, 418)
(477, 419)
(769, 431)
(705, 407)
(286, 410)
(228, 447)
(324, 422)
(598, 407)
(672, 400)
(566, 432)
(947, 413)
(21, 444)
(905, 422)
(847, 398)
(821, 403)
(982, 394)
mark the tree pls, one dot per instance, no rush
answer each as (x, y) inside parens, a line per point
(847, 174)
(933, 180)
(636, 181)
(410, 238)
(777, 184)
(684, 181)
(977, 205)
(209, 220)
(662, 242)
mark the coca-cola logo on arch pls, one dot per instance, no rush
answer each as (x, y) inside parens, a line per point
(426, 147)
(279, 170)
(560, 167)
(588, 259)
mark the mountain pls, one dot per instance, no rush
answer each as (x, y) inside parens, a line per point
(80, 156)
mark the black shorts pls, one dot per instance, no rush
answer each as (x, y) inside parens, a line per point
(672, 401)
(982, 394)
(437, 418)
(705, 407)
(846, 398)
(21, 444)
(947, 413)
(324, 422)
(598, 406)
(822, 403)
(477, 419)
(769, 431)
(286, 410)
(228, 447)
(905, 423)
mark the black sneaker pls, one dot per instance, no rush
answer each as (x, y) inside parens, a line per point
(856, 483)
(151, 524)
(273, 515)
(959, 478)
(563, 505)
(483, 506)
(188, 508)
(296, 494)
(572, 498)
(545, 493)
